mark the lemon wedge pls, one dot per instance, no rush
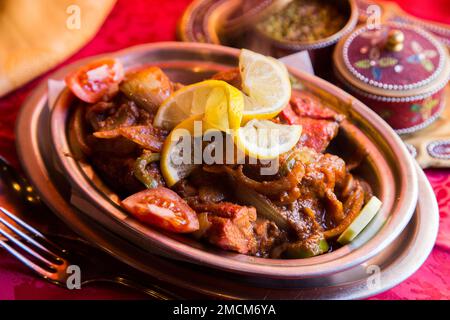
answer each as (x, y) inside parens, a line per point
(178, 155)
(223, 109)
(222, 102)
(264, 139)
(265, 81)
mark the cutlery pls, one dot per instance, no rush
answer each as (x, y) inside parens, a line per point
(40, 253)
(53, 263)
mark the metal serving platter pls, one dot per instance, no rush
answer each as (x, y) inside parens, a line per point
(388, 168)
(397, 262)
(402, 252)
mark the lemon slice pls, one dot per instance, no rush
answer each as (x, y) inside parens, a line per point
(361, 221)
(178, 155)
(224, 101)
(265, 81)
(223, 109)
(264, 139)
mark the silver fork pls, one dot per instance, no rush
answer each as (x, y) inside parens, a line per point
(49, 261)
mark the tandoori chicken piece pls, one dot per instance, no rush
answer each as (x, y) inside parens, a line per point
(230, 225)
(319, 123)
(147, 87)
(231, 76)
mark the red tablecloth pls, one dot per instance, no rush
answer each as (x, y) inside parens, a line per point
(138, 21)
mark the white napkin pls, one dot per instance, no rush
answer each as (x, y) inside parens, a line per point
(299, 60)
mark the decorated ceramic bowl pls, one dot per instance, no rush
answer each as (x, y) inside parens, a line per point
(398, 70)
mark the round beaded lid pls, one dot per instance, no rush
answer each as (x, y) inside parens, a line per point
(394, 60)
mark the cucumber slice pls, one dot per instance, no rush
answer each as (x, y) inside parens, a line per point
(361, 221)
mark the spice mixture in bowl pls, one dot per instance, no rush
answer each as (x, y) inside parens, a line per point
(315, 26)
(304, 21)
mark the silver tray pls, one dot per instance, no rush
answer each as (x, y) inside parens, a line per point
(397, 261)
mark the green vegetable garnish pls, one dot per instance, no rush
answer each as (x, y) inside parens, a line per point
(301, 251)
(361, 221)
(140, 169)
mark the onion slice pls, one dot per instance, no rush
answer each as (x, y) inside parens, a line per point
(263, 206)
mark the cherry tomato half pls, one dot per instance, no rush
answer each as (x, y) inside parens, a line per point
(95, 80)
(161, 207)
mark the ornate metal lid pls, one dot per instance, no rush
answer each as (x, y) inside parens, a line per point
(394, 57)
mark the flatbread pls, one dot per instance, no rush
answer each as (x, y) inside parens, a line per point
(36, 35)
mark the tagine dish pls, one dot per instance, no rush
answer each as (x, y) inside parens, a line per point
(240, 161)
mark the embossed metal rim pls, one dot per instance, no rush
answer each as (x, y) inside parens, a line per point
(341, 259)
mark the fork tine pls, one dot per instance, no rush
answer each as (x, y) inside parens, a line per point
(24, 247)
(41, 271)
(27, 238)
(26, 226)
(21, 223)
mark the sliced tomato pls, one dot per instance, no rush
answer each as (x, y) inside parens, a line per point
(100, 78)
(163, 208)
